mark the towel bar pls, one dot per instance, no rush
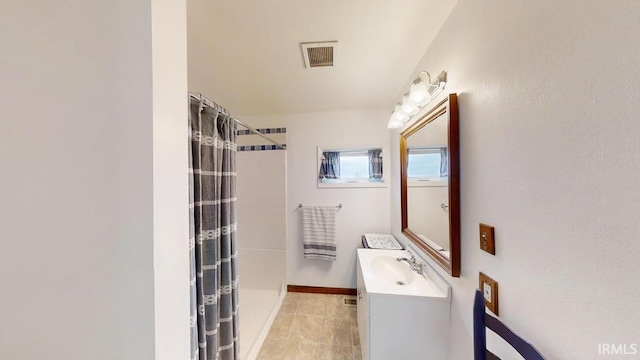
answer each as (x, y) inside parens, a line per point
(339, 206)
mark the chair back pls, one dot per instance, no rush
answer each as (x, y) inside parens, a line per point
(482, 321)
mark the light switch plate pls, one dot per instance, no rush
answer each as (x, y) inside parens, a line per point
(489, 288)
(487, 239)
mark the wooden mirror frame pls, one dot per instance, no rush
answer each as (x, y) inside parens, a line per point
(447, 106)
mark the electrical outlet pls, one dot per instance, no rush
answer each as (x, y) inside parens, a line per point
(487, 239)
(487, 292)
(489, 288)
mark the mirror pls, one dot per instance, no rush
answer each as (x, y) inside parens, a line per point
(430, 184)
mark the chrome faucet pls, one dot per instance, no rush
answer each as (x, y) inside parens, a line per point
(413, 264)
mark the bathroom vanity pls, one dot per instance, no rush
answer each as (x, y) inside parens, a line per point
(401, 314)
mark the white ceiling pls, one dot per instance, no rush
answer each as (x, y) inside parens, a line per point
(246, 56)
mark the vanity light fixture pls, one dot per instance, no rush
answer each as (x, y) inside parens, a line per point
(421, 92)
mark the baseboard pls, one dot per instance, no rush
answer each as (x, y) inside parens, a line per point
(321, 290)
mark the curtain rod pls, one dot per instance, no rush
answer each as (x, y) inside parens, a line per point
(209, 103)
(214, 105)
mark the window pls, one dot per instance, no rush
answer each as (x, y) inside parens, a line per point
(354, 165)
(349, 166)
(427, 163)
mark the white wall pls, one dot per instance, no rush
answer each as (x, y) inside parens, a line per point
(364, 209)
(77, 183)
(170, 180)
(549, 94)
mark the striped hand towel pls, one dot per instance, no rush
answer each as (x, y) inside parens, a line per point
(319, 232)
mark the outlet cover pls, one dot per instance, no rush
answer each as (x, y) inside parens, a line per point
(487, 292)
(487, 239)
(489, 288)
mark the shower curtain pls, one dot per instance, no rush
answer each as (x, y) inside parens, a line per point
(213, 251)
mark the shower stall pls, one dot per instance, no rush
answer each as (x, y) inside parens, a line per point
(261, 193)
(255, 246)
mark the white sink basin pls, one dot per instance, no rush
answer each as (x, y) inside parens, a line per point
(387, 268)
(383, 274)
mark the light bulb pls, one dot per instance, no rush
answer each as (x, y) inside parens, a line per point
(418, 91)
(425, 100)
(397, 118)
(394, 123)
(399, 114)
(408, 106)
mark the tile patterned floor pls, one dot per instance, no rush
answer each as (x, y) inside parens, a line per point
(313, 327)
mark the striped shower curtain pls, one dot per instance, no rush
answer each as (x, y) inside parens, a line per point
(213, 250)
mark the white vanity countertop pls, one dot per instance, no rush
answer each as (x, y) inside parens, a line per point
(381, 272)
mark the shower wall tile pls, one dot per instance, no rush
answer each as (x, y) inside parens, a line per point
(261, 268)
(261, 227)
(245, 140)
(261, 192)
(266, 131)
(259, 147)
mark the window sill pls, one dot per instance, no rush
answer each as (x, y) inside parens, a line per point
(352, 184)
(427, 183)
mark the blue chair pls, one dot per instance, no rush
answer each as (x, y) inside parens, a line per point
(482, 320)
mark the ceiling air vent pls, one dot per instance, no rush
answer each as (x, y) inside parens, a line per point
(319, 54)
